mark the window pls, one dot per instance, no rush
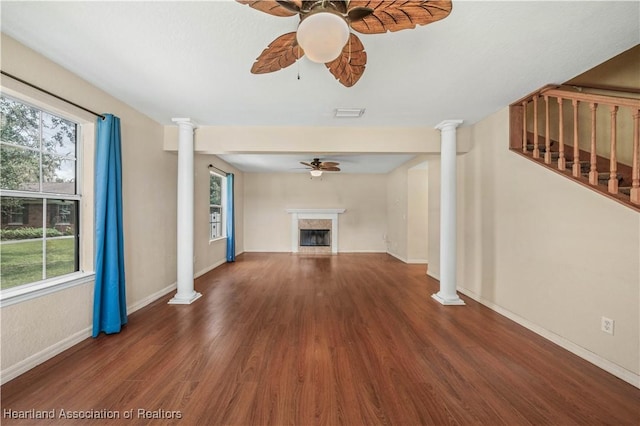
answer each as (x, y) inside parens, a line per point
(39, 200)
(216, 206)
(16, 213)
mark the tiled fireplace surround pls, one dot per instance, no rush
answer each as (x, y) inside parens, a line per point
(314, 219)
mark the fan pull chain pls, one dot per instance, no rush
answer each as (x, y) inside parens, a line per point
(298, 62)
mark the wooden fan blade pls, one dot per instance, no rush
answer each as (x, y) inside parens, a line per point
(307, 164)
(281, 53)
(399, 15)
(349, 66)
(330, 169)
(289, 5)
(270, 7)
(358, 12)
(328, 164)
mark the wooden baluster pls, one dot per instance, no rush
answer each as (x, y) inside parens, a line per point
(547, 136)
(576, 145)
(561, 160)
(536, 150)
(524, 127)
(593, 171)
(613, 163)
(635, 171)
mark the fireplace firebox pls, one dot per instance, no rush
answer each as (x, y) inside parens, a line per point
(315, 238)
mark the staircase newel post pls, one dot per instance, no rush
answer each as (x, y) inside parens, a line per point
(524, 127)
(536, 149)
(613, 163)
(576, 141)
(547, 136)
(562, 164)
(593, 171)
(635, 172)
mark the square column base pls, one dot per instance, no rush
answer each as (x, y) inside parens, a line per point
(457, 301)
(185, 301)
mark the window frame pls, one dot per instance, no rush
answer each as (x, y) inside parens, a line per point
(82, 197)
(222, 206)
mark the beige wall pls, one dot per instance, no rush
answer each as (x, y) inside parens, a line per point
(547, 250)
(397, 212)
(407, 214)
(34, 329)
(417, 215)
(267, 226)
(621, 71)
(274, 139)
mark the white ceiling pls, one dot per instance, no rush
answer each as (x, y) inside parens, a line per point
(192, 59)
(290, 163)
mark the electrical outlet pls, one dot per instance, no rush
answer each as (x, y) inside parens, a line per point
(607, 325)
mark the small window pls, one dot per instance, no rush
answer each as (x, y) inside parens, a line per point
(15, 212)
(216, 206)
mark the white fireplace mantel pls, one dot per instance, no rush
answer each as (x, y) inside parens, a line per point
(297, 214)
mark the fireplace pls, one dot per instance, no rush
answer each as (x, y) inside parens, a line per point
(323, 227)
(315, 238)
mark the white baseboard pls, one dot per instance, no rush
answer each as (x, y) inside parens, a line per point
(210, 268)
(434, 276)
(38, 358)
(266, 251)
(402, 259)
(360, 251)
(418, 261)
(597, 360)
(151, 298)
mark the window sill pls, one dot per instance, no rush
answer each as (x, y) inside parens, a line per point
(20, 294)
(218, 239)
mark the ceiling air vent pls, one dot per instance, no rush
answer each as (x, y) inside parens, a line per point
(349, 112)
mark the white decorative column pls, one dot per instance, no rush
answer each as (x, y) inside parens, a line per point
(185, 294)
(447, 294)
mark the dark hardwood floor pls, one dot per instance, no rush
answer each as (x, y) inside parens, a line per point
(353, 339)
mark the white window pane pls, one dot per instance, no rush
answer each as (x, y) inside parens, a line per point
(19, 123)
(59, 175)
(61, 238)
(21, 243)
(20, 168)
(215, 222)
(58, 136)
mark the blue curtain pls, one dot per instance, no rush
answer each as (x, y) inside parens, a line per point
(231, 230)
(109, 302)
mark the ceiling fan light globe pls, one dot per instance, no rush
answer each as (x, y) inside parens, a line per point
(322, 36)
(316, 173)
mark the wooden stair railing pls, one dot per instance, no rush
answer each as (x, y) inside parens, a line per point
(557, 152)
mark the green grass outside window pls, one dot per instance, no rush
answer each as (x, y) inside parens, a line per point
(21, 262)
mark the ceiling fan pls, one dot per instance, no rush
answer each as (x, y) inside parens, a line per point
(316, 167)
(324, 32)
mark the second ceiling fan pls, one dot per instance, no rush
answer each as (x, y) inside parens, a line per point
(316, 167)
(325, 33)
